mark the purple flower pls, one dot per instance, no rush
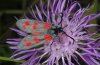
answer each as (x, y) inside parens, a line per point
(75, 42)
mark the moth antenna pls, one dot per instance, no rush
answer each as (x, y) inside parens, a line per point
(64, 27)
(69, 36)
(61, 15)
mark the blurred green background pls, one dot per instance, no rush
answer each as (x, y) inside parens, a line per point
(11, 8)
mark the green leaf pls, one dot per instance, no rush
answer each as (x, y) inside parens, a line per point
(9, 59)
(96, 36)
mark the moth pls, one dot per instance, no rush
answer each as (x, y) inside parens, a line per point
(38, 33)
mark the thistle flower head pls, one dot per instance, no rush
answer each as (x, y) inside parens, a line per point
(73, 42)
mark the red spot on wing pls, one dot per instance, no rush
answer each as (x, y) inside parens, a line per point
(47, 26)
(27, 43)
(34, 25)
(26, 23)
(37, 41)
(36, 33)
(47, 38)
